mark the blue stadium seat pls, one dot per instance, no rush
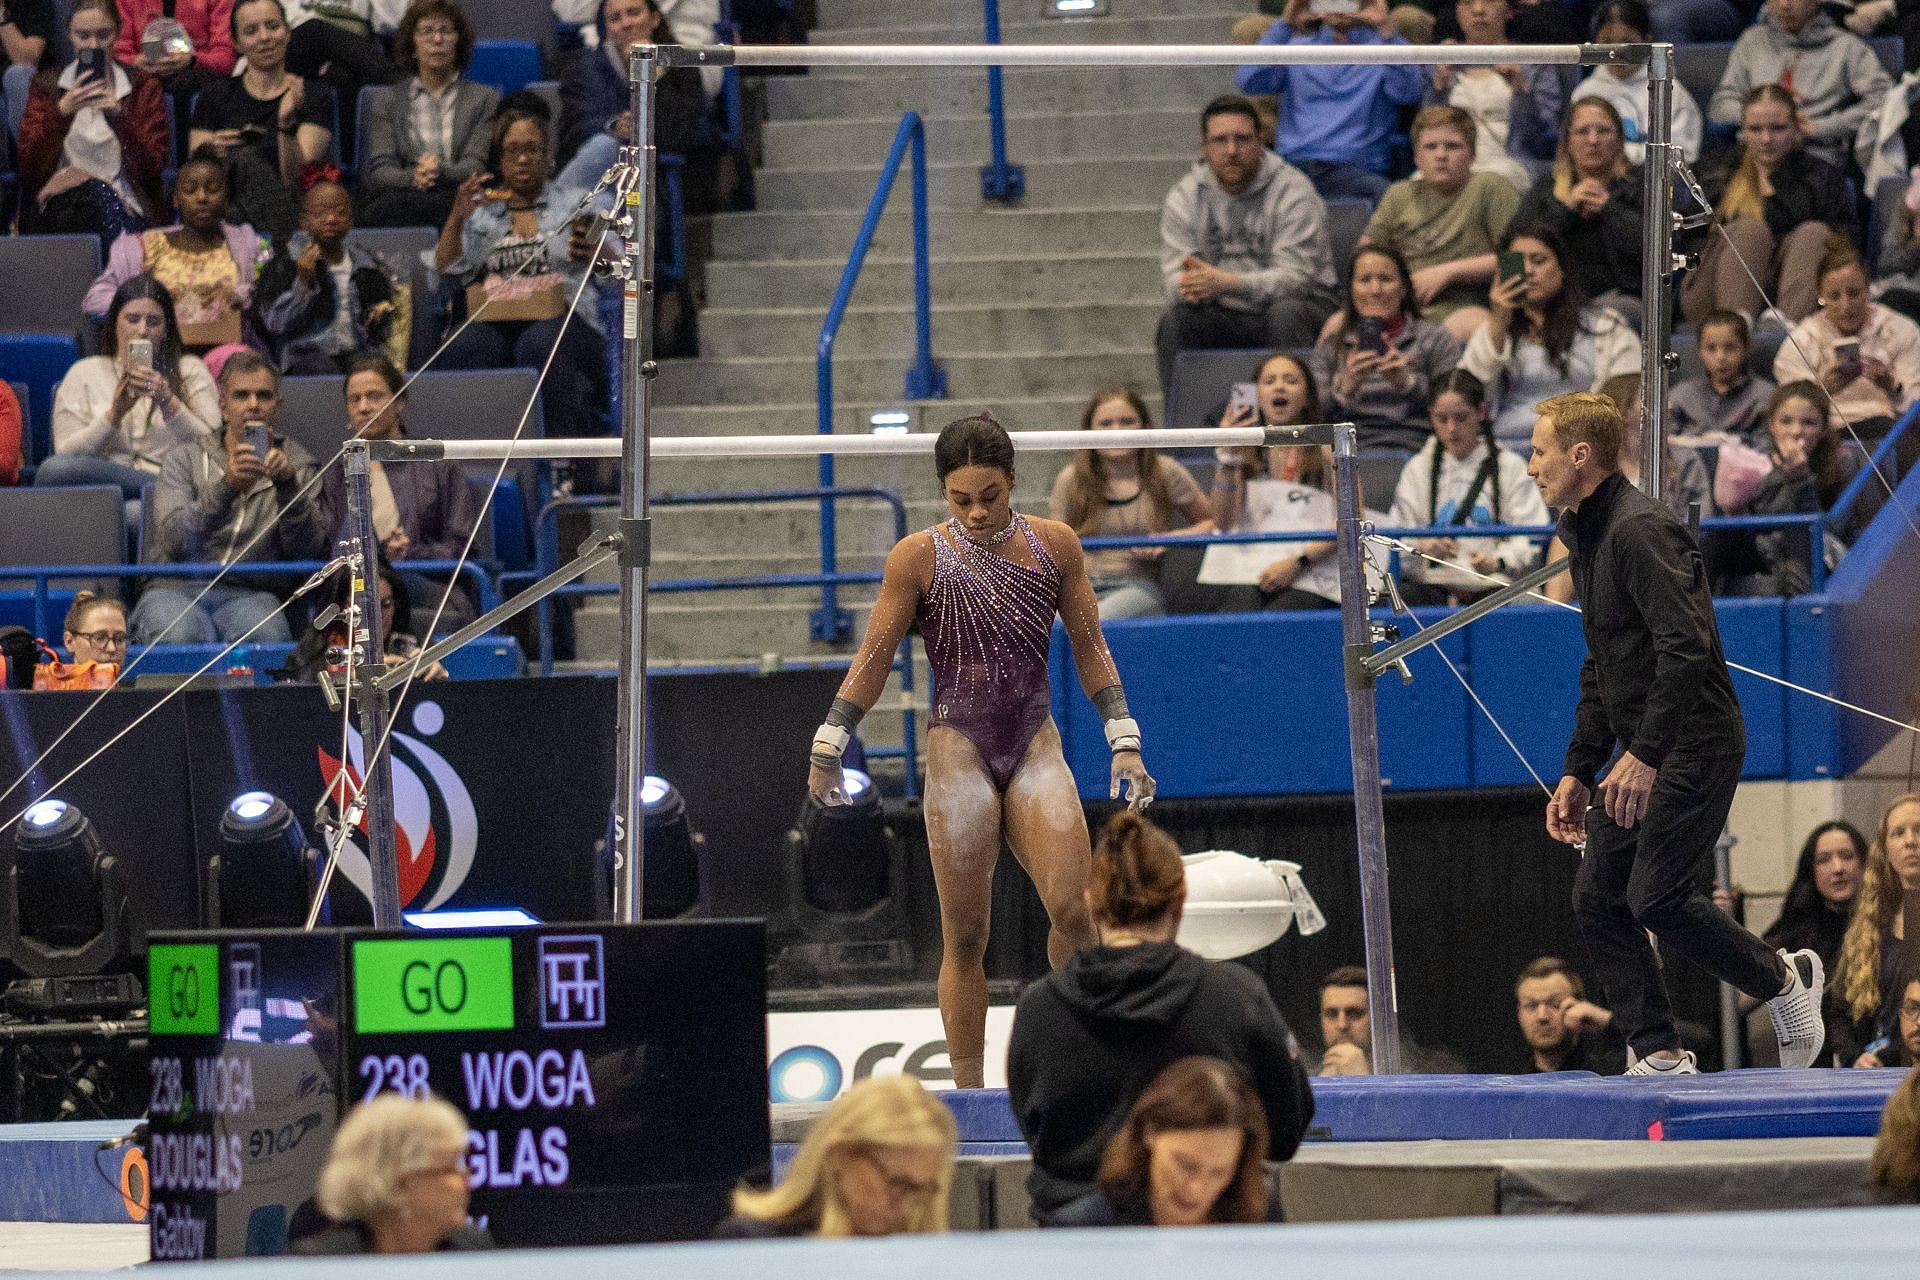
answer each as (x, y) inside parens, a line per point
(510, 20)
(85, 524)
(42, 279)
(507, 65)
(40, 361)
(1346, 223)
(1699, 67)
(1200, 383)
(1884, 217)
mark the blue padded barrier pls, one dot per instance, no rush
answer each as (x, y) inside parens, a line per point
(57, 1173)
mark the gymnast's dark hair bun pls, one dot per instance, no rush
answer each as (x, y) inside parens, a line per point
(978, 441)
(1137, 873)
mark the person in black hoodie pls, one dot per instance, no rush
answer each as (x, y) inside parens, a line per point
(1088, 1038)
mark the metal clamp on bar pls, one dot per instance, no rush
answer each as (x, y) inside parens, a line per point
(1357, 659)
(693, 55)
(1397, 652)
(1303, 433)
(636, 542)
(404, 450)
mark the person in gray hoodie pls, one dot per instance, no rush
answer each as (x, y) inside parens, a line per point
(1833, 75)
(1244, 250)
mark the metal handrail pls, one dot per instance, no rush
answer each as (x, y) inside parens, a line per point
(44, 574)
(925, 380)
(1882, 459)
(998, 180)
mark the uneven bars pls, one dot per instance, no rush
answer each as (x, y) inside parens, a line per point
(1134, 55)
(807, 446)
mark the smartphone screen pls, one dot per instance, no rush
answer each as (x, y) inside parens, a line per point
(1372, 336)
(92, 62)
(258, 439)
(140, 354)
(1846, 353)
(1244, 396)
(1512, 265)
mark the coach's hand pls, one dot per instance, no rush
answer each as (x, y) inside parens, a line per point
(1567, 811)
(1626, 790)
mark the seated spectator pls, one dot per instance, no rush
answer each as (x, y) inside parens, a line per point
(96, 631)
(114, 420)
(322, 299)
(878, 1162)
(1897, 277)
(1189, 1154)
(395, 1181)
(1115, 493)
(1902, 1049)
(1591, 201)
(1684, 479)
(206, 264)
(93, 146)
(1893, 1176)
(341, 43)
(12, 437)
(1809, 471)
(689, 22)
(1515, 110)
(1826, 884)
(1864, 353)
(1774, 216)
(1727, 400)
(26, 33)
(321, 648)
(1835, 81)
(218, 499)
(1446, 221)
(1379, 358)
(1089, 1037)
(1243, 246)
(595, 103)
(1543, 337)
(493, 237)
(201, 54)
(1346, 1031)
(265, 125)
(1463, 478)
(1337, 123)
(428, 134)
(1565, 1031)
(1624, 84)
(1866, 988)
(421, 510)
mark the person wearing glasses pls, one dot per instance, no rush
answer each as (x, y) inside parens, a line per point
(395, 1182)
(96, 630)
(879, 1162)
(428, 134)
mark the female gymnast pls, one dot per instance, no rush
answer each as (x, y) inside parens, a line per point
(984, 586)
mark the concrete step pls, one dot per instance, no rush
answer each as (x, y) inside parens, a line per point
(941, 91)
(890, 330)
(721, 625)
(1050, 183)
(748, 541)
(1089, 277)
(1048, 412)
(1153, 27)
(835, 16)
(962, 139)
(1132, 226)
(753, 380)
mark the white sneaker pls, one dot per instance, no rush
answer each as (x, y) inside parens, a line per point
(1796, 1011)
(1685, 1065)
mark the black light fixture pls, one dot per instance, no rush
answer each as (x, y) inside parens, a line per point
(843, 919)
(670, 872)
(67, 907)
(264, 875)
(843, 849)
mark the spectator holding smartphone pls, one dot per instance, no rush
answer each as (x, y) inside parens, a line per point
(1727, 398)
(1866, 354)
(1337, 122)
(1378, 358)
(117, 414)
(186, 44)
(1591, 200)
(322, 299)
(93, 139)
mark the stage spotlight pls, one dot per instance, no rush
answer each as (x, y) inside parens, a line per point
(1074, 8)
(67, 905)
(471, 918)
(264, 874)
(843, 849)
(670, 874)
(890, 422)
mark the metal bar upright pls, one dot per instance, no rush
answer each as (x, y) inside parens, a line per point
(636, 382)
(1369, 817)
(375, 707)
(1656, 268)
(998, 179)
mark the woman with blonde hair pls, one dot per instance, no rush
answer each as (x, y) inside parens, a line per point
(1591, 200)
(396, 1181)
(879, 1162)
(1113, 493)
(1865, 985)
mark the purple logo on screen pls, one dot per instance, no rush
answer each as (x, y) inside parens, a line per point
(573, 990)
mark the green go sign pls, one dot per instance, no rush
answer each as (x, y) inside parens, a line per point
(183, 989)
(432, 984)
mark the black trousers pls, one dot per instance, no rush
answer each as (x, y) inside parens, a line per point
(1646, 879)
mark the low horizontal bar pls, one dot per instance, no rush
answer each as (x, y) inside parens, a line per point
(1376, 663)
(810, 444)
(1142, 55)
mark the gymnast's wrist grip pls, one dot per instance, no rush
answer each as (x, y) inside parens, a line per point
(831, 738)
(1123, 734)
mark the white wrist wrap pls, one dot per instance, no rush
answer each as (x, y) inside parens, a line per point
(1123, 734)
(832, 737)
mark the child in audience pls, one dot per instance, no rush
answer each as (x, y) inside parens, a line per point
(1809, 471)
(1728, 399)
(321, 298)
(1515, 109)
(1446, 221)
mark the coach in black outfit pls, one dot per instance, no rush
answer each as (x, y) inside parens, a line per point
(1655, 682)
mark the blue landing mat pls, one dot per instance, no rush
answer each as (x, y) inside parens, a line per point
(1760, 1103)
(57, 1173)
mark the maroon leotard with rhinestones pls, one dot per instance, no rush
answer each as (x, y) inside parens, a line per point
(987, 623)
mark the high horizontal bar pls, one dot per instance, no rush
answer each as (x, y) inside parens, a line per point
(1138, 55)
(810, 445)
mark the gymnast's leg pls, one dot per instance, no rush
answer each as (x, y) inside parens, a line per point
(1047, 830)
(963, 837)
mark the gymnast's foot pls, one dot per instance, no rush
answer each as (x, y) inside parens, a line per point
(1796, 1010)
(969, 1071)
(1659, 1064)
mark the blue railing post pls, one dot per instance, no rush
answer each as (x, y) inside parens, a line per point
(998, 179)
(831, 624)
